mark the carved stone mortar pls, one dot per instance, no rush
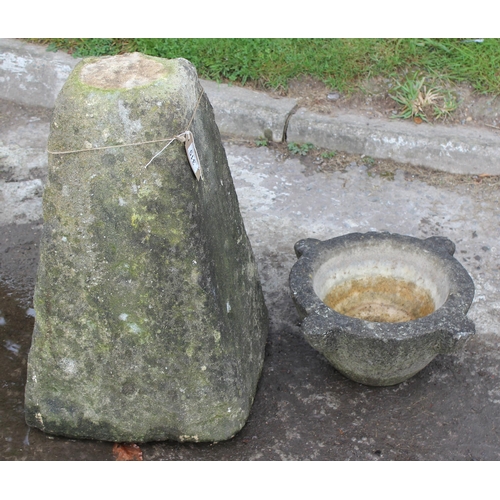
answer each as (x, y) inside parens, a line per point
(381, 306)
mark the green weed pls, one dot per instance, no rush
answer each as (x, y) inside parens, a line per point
(418, 99)
(301, 149)
(328, 154)
(261, 141)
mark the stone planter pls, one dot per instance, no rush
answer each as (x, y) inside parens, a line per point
(381, 306)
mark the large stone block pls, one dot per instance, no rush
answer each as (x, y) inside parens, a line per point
(150, 318)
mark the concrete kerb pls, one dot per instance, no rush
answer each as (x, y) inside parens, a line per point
(32, 76)
(457, 150)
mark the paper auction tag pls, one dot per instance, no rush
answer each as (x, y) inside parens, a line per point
(192, 154)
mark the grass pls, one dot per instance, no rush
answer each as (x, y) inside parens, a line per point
(339, 62)
(420, 98)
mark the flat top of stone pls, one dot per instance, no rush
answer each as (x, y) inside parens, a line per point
(122, 72)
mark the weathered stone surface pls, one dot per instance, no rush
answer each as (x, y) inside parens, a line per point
(150, 319)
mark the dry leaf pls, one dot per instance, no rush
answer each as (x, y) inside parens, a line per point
(124, 451)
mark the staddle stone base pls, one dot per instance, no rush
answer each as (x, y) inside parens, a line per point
(150, 318)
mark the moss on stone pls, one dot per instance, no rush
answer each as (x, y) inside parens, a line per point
(150, 319)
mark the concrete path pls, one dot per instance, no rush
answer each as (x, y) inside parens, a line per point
(304, 409)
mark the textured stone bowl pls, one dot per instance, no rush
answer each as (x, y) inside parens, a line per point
(394, 303)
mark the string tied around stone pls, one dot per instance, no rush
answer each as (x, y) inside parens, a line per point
(180, 137)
